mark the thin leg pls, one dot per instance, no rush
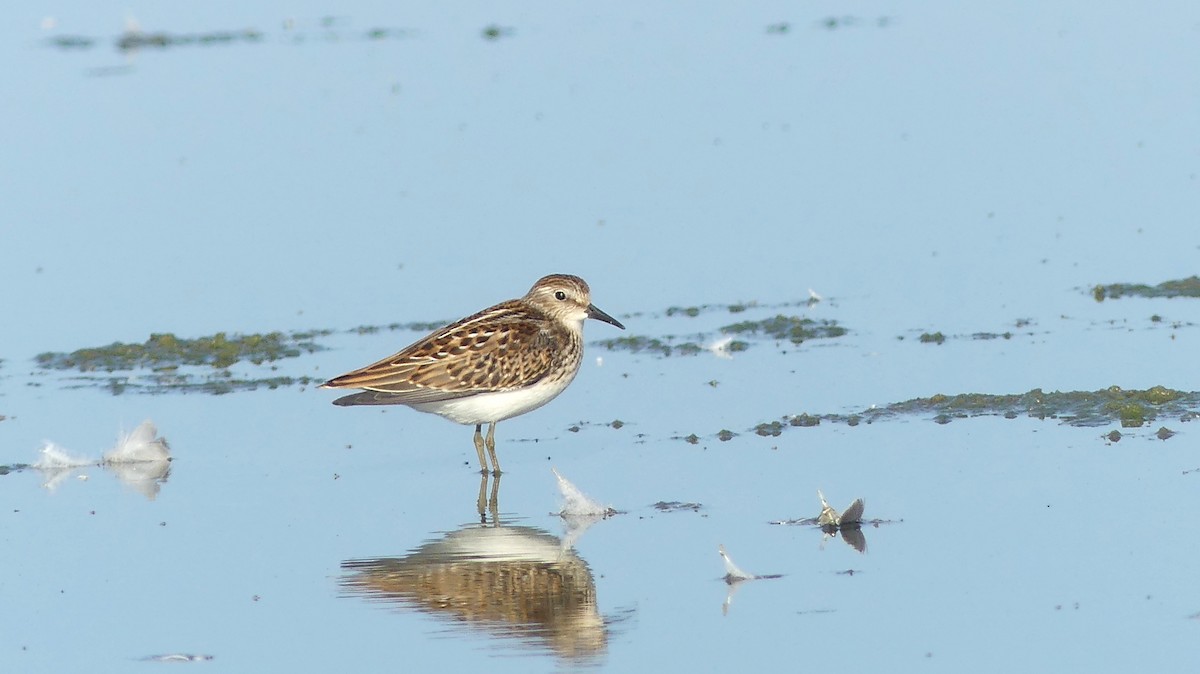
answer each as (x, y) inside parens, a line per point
(491, 445)
(479, 448)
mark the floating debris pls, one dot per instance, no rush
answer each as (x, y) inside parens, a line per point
(1131, 408)
(735, 308)
(142, 445)
(830, 517)
(134, 38)
(780, 328)
(578, 426)
(494, 32)
(166, 363)
(578, 511)
(848, 523)
(804, 420)
(164, 350)
(772, 429)
(734, 577)
(732, 573)
(939, 337)
(576, 503)
(69, 42)
(671, 506)
(1188, 287)
(13, 468)
(852, 534)
(177, 657)
(663, 347)
(141, 460)
(57, 464)
(720, 348)
(792, 328)
(835, 22)
(848, 21)
(55, 457)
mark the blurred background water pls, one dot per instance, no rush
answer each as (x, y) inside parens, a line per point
(293, 167)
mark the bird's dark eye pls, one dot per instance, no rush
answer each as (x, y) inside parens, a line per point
(560, 295)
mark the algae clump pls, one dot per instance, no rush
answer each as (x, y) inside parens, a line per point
(163, 351)
(792, 328)
(1188, 287)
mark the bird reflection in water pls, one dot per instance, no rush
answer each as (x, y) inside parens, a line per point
(488, 505)
(515, 582)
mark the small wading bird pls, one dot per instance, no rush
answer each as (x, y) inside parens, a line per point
(499, 363)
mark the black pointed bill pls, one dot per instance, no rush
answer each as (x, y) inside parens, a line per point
(595, 313)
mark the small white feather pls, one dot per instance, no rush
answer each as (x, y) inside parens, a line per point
(720, 348)
(142, 444)
(55, 457)
(732, 572)
(575, 502)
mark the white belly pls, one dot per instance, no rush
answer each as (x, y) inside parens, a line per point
(490, 407)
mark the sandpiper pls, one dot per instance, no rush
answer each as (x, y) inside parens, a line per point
(494, 365)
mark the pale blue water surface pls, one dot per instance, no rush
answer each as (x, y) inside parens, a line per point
(927, 167)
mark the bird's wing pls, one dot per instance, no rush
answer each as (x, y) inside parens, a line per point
(853, 513)
(501, 348)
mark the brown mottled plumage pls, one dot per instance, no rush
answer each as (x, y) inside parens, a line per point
(501, 362)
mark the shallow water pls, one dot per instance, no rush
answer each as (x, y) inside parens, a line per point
(923, 170)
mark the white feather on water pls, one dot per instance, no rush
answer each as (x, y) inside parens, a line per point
(57, 464)
(141, 445)
(578, 511)
(734, 577)
(141, 459)
(575, 502)
(55, 457)
(720, 348)
(732, 573)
